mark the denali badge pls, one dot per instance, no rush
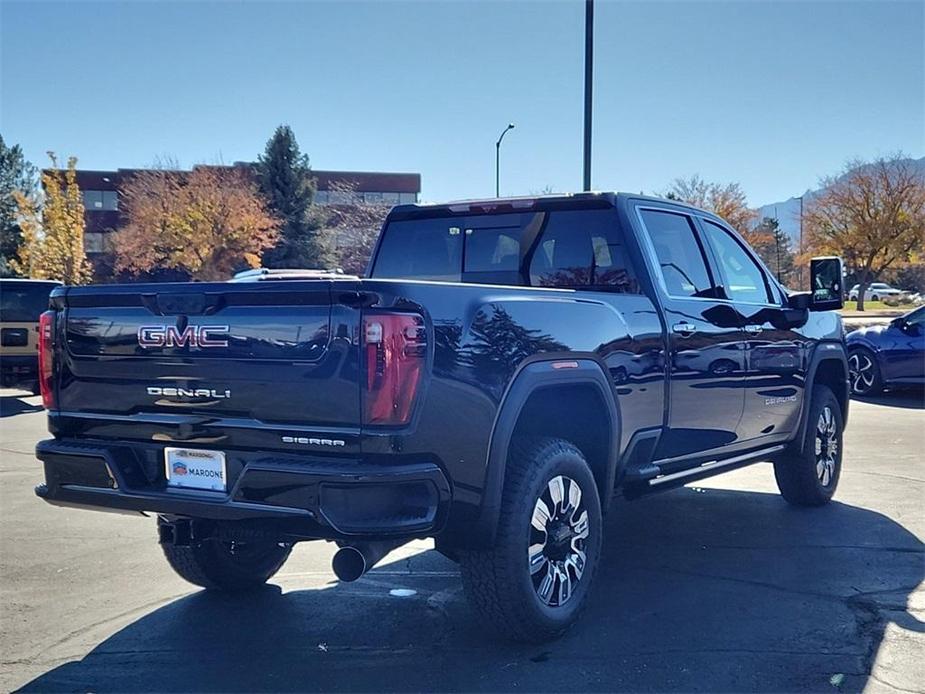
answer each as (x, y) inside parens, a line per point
(305, 441)
(188, 392)
(203, 336)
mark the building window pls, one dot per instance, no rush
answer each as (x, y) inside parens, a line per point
(94, 242)
(93, 199)
(101, 199)
(372, 197)
(407, 198)
(321, 197)
(390, 198)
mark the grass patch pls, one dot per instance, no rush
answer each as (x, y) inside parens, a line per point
(878, 306)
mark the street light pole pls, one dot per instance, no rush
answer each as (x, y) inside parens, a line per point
(510, 126)
(801, 243)
(589, 68)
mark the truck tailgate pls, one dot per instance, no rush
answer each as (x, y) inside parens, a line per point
(273, 354)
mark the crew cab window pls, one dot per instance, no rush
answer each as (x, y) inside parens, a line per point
(682, 262)
(582, 248)
(743, 279)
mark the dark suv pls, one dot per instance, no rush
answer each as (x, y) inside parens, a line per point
(504, 369)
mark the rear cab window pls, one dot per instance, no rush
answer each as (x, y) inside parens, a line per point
(573, 249)
(681, 258)
(23, 302)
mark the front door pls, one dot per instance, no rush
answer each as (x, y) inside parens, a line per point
(705, 340)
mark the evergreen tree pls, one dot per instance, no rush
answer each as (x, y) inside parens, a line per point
(285, 179)
(16, 175)
(773, 245)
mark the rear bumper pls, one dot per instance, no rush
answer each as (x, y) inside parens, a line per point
(19, 366)
(312, 497)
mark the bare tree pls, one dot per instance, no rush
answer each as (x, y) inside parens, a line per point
(872, 214)
(726, 200)
(354, 223)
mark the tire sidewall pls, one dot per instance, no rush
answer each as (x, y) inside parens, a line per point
(571, 465)
(825, 398)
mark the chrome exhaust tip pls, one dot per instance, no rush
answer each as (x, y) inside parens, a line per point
(352, 561)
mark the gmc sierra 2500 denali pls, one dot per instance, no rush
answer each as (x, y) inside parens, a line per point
(505, 368)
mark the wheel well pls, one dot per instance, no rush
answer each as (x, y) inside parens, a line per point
(831, 373)
(578, 414)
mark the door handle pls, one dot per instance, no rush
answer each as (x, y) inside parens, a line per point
(753, 329)
(684, 329)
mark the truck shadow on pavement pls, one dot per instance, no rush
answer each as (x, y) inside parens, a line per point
(11, 405)
(909, 398)
(700, 590)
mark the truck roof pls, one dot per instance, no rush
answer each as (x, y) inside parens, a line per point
(531, 202)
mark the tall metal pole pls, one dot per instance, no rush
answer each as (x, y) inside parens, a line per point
(510, 126)
(589, 68)
(801, 243)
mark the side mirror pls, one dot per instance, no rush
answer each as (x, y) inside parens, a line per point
(825, 276)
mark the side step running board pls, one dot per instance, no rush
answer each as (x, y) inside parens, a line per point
(708, 469)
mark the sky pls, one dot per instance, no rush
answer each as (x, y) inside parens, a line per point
(773, 95)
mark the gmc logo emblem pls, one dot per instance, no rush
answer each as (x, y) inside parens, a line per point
(204, 336)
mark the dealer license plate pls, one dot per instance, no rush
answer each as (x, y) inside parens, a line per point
(194, 468)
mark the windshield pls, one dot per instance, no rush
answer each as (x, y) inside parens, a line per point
(23, 302)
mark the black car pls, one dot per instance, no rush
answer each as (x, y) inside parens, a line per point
(505, 367)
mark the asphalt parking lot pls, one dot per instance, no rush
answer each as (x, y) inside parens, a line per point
(714, 587)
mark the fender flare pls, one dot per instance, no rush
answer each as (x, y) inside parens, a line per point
(530, 378)
(825, 351)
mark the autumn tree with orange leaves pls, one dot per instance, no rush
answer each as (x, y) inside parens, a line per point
(872, 214)
(209, 222)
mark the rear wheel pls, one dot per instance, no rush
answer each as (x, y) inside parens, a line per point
(227, 565)
(809, 477)
(865, 372)
(533, 583)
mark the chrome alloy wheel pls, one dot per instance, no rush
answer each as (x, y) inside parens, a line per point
(862, 372)
(826, 446)
(558, 540)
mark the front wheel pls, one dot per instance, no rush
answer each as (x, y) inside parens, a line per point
(535, 580)
(227, 565)
(808, 477)
(864, 371)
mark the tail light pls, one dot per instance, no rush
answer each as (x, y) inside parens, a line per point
(395, 348)
(46, 359)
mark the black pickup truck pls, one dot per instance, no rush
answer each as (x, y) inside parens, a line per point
(504, 369)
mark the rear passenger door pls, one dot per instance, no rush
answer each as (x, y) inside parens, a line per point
(774, 352)
(705, 338)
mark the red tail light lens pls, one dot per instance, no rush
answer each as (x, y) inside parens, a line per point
(395, 348)
(46, 356)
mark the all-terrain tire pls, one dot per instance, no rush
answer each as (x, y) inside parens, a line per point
(500, 583)
(809, 476)
(221, 565)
